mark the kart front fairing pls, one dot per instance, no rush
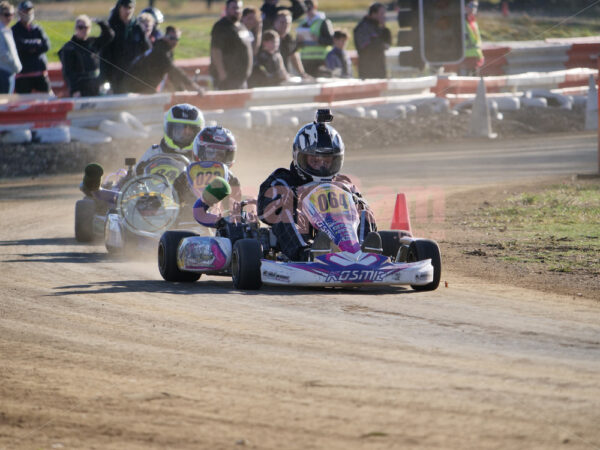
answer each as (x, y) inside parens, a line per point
(332, 210)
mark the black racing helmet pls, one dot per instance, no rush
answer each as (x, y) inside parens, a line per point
(318, 148)
(215, 144)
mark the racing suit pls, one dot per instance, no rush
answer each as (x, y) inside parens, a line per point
(181, 185)
(278, 207)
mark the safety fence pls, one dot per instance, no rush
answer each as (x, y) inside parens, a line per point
(136, 115)
(502, 58)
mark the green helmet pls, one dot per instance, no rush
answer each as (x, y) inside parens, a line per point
(181, 125)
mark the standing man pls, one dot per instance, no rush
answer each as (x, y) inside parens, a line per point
(231, 53)
(253, 22)
(9, 58)
(129, 43)
(372, 39)
(315, 38)
(270, 10)
(473, 53)
(149, 69)
(80, 57)
(287, 44)
(32, 45)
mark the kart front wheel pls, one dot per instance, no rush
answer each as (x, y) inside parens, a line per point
(85, 209)
(245, 264)
(420, 250)
(167, 257)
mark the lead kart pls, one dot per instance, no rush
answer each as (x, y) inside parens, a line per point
(130, 212)
(251, 255)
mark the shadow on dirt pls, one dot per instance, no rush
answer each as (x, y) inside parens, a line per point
(51, 241)
(211, 286)
(62, 257)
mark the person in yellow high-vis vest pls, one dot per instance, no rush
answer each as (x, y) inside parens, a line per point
(315, 38)
(474, 59)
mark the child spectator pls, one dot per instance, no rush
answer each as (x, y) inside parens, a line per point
(147, 22)
(337, 60)
(268, 69)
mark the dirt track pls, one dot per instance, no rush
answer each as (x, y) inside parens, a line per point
(101, 353)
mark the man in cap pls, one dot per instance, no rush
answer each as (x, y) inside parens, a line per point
(129, 43)
(473, 53)
(32, 45)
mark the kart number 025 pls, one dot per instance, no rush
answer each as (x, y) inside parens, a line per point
(203, 177)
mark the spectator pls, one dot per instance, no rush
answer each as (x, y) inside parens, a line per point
(372, 38)
(287, 44)
(32, 45)
(158, 19)
(147, 22)
(231, 49)
(253, 22)
(80, 57)
(129, 43)
(315, 37)
(269, 69)
(10, 64)
(473, 53)
(270, 10)
(148, 70)
(338, 61)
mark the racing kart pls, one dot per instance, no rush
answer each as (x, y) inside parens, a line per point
(251, 255)
(130, 212)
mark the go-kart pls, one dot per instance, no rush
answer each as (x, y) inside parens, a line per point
(251, 255)
(132, 211)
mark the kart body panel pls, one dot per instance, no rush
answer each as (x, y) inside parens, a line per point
(346, 269)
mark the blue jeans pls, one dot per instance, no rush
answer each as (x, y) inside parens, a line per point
(7, 82)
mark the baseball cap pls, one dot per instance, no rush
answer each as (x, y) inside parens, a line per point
(126, 3)
(25, 6)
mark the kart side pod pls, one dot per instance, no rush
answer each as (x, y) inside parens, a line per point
(204, 254)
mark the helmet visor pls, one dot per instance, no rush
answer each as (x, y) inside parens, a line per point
(320, 165)
(182, 134)
(221, 153)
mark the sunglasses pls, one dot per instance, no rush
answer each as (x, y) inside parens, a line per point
(8, 14)
(82, 27)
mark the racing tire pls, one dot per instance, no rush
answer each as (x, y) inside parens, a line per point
(85, 209)
(167, 257)
(420, 250)
(245, 264)
(390, 241)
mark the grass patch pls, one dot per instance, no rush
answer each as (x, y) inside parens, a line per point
(558, 227)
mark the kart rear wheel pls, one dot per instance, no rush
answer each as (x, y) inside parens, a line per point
(390, 242)
(167, 257)
(420, 250)
(85, 209)
(245, 264)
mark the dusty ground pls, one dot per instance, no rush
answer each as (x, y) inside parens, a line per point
(471, 251)
(101, 353)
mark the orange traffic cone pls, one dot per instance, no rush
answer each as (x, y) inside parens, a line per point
(401, 219)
